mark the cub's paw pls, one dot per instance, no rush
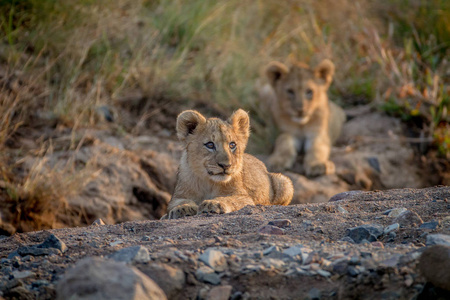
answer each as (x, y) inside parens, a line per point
(277, 164)
(184, 210)
(319, 168)
(214, 207)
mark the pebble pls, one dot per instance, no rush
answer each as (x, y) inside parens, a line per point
(408, 219)
(52, 245)
(206, 274)
(429, 225)
(395, 212)
(135, 254)
(377, 244)
(222, 292)
(347, 239)
(323, 273)
(293, 251)
(98, 222)
(271, 249)
(341, 209)
(345, 195)
(269, 229)
(273, 263)
(438, 239)
(23, 274)
(314, 294)
(214, 259)
(434, 264)
(282, 223)
(391, 228)
(365, 232)
(145, 238)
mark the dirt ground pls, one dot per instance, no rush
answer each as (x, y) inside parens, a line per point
(381, 269)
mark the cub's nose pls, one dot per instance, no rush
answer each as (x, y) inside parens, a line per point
(224, 166)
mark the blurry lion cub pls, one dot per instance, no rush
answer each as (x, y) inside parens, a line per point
(308, 121)
(215, 175)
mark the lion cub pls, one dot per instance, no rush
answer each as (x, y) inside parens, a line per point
(215, 175)
(308, 121)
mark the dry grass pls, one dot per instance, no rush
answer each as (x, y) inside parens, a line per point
(63, 60)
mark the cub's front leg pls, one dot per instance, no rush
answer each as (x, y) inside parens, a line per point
(317, 155)
(179, 208)
(284, 154)
(223, 205)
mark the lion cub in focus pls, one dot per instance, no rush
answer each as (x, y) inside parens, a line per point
(215, 175)
(308, 121)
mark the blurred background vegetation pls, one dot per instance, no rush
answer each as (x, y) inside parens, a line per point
(63, 62)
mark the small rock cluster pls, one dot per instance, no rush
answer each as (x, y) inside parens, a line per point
(266, 256)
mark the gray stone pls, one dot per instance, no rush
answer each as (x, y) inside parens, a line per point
(272, 230)
(391, 228)
(341, 210)
(23, 274)
(169, 278)
(282, 223)
(434, 264)
(314, 294)
(271, 249)
(365, 232)
(52, 245)
(94, 278)
(206, 274)
(293, 251)
(395, 212)
(135, 254)
(347, 239)
(438, 239)
(222, 292)
(408, 219)
(429, 225)
(323, 273)
(215, 259)
(345, 195)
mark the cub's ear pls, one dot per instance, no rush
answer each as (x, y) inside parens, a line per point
(276, 70)
(187, 121)
(241, 122)
(325, 71)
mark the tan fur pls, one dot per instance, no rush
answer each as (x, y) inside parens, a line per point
(308, 121)
(221, 180)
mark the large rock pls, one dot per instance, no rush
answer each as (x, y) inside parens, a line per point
(434, 264)
(97, 279)
(215, 259)
(52, 245)
(365, 232)
(135, 254)
(169, 278)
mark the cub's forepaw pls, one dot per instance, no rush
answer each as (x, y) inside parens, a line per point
(214, 207)
(319, 168)
(277, 164)
(181, 211)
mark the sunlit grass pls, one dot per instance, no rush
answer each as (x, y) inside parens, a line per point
(68, 58)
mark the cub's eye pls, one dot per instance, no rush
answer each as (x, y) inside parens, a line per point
(232, 145)
(290, 93)
(210, 145)
(309, 93)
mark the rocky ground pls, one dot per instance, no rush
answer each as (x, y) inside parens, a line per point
(359, 245)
